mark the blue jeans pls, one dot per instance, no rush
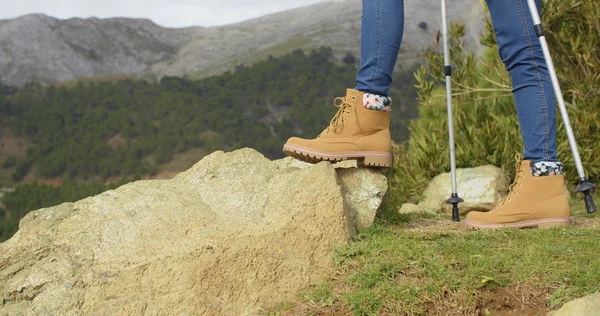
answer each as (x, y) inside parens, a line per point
(519, 48)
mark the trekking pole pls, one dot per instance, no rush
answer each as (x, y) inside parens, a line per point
(454, 199)
(584, 187)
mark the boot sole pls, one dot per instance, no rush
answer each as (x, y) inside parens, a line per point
(541, 223)
(375, 159)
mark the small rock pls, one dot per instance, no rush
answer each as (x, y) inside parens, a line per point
(410, 208)
(481, 188)
(363, 191)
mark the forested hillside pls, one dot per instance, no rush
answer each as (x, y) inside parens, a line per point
(127, 127)
(97, 131)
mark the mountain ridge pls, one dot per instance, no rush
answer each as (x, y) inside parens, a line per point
(40, 48)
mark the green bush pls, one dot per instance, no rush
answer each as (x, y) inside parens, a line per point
(21, 169)
(9, 162)
(487, 128)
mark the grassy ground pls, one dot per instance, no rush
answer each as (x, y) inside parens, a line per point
(415, 265)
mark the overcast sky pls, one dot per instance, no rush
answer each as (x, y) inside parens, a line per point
(172, 13)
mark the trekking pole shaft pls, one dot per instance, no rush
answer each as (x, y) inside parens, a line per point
(448, 73)
(555, 84)
(454, 199)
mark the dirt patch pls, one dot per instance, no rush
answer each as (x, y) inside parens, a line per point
(518, 299)
(56, 182)
(309, 308)
(436, 225)
(97, 79)
(116, 141)
(586, 222)
(12, 145)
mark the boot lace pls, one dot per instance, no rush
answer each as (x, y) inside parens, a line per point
(519, 176)
(338, 119)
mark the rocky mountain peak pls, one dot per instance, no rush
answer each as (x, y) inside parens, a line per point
(41, 48)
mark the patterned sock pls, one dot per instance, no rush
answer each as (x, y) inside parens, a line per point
(377, 102)
(547, 168)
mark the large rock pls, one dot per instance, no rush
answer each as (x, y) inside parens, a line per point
(234, 233)
(481, 188)
(363, 189)
(588, 306)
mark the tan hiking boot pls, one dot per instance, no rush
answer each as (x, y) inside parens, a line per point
(353, 133)
(531, 202)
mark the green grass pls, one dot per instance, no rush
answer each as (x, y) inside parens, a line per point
(419, 265)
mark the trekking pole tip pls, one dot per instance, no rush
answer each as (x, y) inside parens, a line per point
(589, 203)
(586, 188)
(454, 200)
(455, 213)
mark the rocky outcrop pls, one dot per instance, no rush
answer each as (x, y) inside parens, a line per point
(48, 50)
(481, 188)
(234, 233)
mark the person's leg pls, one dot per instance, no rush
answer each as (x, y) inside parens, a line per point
(381, 36)
(537, 197)
(360, 129)
(522, 54)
